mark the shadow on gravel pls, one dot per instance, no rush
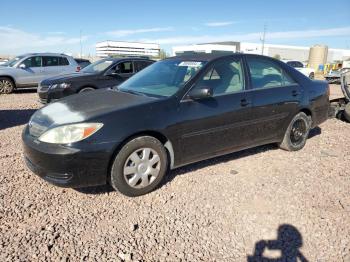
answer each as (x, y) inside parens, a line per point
(287, 244)
(315, 132)
(25, 90)
(11, 118)
(96, 190)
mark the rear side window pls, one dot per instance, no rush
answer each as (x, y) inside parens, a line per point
(63, 61)
(265, 73)
(34, 61)
(50, 61)
(139, 65)
(125, 68)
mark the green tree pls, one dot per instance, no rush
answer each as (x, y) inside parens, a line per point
(163, 54)
(277, 56)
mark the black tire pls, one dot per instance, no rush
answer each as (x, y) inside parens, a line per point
(117, 178)
(86, 89)
(346, 112)
(297, 133)
(6, 85)
(312, 75)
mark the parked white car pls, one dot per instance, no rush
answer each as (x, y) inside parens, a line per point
(309, 72)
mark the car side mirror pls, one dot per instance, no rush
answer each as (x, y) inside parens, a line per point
(201, 93)
(22, 66)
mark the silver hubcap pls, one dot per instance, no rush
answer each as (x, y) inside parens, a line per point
(86, 89)
(142, 168)
(5, 86)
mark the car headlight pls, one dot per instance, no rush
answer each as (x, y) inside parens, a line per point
(62, 85)
(70, 133)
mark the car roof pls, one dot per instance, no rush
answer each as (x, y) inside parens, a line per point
(45, 54)
(201, 56)
(126, 58)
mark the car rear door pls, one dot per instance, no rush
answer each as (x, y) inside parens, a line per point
(218, 124)
(139, 65)
(32, 73)
(276, 98)
(51, 66)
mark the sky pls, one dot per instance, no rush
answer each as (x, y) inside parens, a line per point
(59, 26)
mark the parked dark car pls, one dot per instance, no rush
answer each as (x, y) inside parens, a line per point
(101, 74)
(82, 62)
(177, 111)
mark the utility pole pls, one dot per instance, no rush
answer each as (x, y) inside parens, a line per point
(262, 39)
(81, 46)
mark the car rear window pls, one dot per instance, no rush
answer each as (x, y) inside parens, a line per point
(63, 61)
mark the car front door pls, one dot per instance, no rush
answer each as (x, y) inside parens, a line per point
(220, 123)
(30, 71)
(276, 98)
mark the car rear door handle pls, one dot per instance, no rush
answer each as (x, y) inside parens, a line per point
(244, 102)
(295, 93)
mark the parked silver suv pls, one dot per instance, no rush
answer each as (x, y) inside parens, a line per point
(30, 69)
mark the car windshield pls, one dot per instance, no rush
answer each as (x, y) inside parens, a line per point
(13, 61)
(162, 79)
(98, 66)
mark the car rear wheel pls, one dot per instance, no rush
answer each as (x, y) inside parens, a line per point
(86, 89)
(297, 133)
(6, 85)
(139, 166)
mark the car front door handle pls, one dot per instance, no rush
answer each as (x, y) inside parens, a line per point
(244, 103)
(295, 93)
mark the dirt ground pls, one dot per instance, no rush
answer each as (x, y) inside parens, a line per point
(262, 202)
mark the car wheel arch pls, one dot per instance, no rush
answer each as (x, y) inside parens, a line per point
(307, 112)
(11, 78)
(156, 134)
(86, 86)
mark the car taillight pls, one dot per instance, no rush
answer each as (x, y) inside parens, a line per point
(78, 69)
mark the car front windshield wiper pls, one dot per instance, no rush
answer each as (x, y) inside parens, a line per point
(131, 91)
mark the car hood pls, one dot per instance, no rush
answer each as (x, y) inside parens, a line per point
(67, 78)
(83, 108)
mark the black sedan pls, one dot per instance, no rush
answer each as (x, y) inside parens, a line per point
(174, 112)
(101, 74)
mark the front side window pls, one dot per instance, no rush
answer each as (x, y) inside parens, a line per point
(223, 77)
(163, 78)
(98, 66)
(265, 73)
(34, 61)
(50, 61)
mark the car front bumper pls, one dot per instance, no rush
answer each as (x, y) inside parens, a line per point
(47, 95)
(67, 166)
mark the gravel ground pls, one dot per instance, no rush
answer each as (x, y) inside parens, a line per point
(225, 209)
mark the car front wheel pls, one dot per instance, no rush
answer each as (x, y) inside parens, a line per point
(6, 85)
(139, 166)
(297, 133)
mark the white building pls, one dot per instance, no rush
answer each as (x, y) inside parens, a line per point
(285, 52)
(204, 48)
(120, 48)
